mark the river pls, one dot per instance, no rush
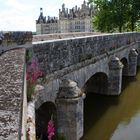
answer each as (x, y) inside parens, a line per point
(114, 117)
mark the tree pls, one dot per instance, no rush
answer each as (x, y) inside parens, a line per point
(134, 13)
(103, 19)
(116, 14)
(119, 12)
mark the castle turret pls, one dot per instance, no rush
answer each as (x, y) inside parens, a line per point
(63, 7)
(41, 12)
(41, 18)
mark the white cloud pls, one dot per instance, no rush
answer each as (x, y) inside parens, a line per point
(14, 4)
(21, 14)
(17, 16)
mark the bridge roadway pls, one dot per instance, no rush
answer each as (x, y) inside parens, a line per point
(11, 93)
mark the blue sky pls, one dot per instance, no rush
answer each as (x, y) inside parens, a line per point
(20, 15)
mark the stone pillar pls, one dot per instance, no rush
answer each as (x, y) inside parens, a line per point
(138, 61)
(69, 105)
(115, 76)
(133, 55)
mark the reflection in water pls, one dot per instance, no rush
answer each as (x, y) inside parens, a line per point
(112, 118)
(128, 131)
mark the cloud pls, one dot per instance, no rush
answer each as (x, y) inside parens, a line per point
(17, 23)
(17, 16)
(21, 14)
(14, 4)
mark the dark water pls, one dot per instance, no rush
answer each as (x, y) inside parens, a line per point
(114, 118)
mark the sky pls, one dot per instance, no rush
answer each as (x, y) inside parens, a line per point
(20, 15)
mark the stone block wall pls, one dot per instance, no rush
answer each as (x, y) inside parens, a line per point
(56, 55)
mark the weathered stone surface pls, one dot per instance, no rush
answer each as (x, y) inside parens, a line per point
(31, 121)
(55, 36)
(133, 56)
(101, 48)
(39, 90)
(70, 110)
(115, 63)
(68, 89)
(55, 55)
(138, 50)
(11, 88)
(115, 76)
(11, 40)
(19, 38)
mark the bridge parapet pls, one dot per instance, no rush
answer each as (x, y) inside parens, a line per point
(11, 40)
(55, 55)
(12, 65)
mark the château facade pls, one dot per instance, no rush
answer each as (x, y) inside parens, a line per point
(70, 20)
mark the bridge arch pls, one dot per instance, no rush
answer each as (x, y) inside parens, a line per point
(45, 113)
(124, 61)
(97, 83)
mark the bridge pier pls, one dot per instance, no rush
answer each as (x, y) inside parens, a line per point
(138, 62)
(133, 56)
(70, 110)
(115, 76)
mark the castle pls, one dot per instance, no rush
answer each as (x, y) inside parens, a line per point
(70, 20)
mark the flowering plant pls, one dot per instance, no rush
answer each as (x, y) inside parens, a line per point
(50, 130)
(28, 134)
(32, 73)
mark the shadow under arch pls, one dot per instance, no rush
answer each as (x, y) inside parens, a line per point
(138, 52)
(44, 114)
(126, 79)
(98, 83)
(125, 66)
(96, 102)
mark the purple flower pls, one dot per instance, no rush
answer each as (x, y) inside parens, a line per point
(50, 130)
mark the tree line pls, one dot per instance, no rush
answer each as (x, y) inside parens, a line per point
(116, 15)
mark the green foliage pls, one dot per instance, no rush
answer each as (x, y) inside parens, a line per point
(28, 55)
(30, 90)
(116, 15)
(138, 26)
(103, 19)
(134, 13)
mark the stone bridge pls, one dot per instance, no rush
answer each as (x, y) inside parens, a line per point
(77, 65)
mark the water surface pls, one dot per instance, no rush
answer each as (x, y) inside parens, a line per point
(114, 117)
